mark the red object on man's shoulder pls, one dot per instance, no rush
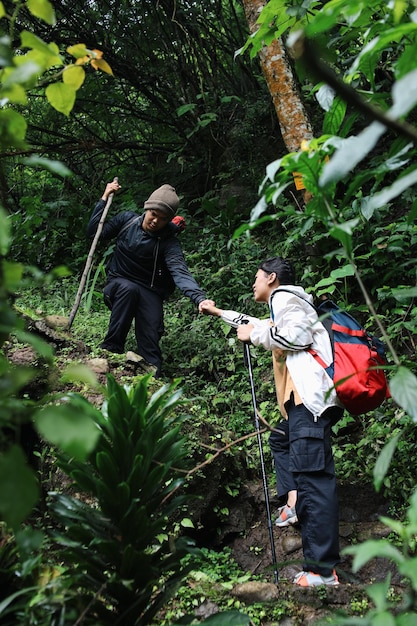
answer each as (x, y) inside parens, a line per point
(179, 222)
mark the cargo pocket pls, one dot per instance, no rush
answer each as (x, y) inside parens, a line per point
(307, 450)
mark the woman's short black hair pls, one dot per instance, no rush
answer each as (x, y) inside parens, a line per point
(283, 268)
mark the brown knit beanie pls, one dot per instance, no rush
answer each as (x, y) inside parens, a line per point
(163, 199)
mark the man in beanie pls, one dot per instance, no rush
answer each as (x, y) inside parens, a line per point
(146, 265)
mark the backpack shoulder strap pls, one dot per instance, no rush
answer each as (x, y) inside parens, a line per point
(129, 224)
(293, 293)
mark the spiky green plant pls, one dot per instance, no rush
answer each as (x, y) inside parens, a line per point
(119, 541)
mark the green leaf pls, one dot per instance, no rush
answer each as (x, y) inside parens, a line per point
(79, 373)
(66, 426)
(55, 167)
(388, 193)
(404, 95)
(343, 233)
(185, 108)
(406, 292)
(384, 460)
(74, 75)
(378, 593)
(403, 388)
(12, 275)
(409, 569)
(41, 347)
(406, 619)
(12, 128)
(350, 153)
(61, 97)
(31, 41)
(369, 550)
(19, 489)
(335, 116)
(187, 523)
(4, 232)
(42, 9)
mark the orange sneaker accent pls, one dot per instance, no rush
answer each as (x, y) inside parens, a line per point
(310, 579)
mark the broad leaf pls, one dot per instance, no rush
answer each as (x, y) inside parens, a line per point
(369, 550)
(61, 97)
(403, 388)
(74, 75)
(74, 431)
(350, 153)
(19, 489)
(55, 167)
(5, 226)
(384, 460)
(386, 195)
(42, 9)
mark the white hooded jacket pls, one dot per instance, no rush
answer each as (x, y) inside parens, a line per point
(294, 327)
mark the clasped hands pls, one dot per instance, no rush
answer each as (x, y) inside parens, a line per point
(243, 331)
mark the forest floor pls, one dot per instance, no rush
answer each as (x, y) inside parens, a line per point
(247, 531)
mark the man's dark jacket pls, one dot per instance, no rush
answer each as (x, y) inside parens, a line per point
(153, 260)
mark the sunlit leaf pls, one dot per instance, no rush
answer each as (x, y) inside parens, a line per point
(74, 76)
(325, 97)
(78, 51)
(14, 93)
(30, 40)
(101, 64)
(42, 9)
(187, 523)
(61, 97)
(350, 153)
(19, 489)
(403, 388)
(404, 94)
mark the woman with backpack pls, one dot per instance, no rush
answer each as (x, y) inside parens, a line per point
(301, 443)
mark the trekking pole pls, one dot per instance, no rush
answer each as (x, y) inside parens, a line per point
(90, 258)
(247, 359)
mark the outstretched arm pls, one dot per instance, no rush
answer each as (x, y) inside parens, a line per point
(208, 307)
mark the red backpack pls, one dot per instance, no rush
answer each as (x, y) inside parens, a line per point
(358, 360)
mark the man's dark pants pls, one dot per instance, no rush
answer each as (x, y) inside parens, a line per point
(129, 301)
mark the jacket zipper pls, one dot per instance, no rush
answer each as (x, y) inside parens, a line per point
(156, 252)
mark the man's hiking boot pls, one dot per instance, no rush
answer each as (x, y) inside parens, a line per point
(286, 516)
(140, 363)
(310, 579)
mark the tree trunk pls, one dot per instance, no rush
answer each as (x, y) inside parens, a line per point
(292, 117)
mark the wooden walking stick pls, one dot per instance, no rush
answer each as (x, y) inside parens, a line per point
(90, 258)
